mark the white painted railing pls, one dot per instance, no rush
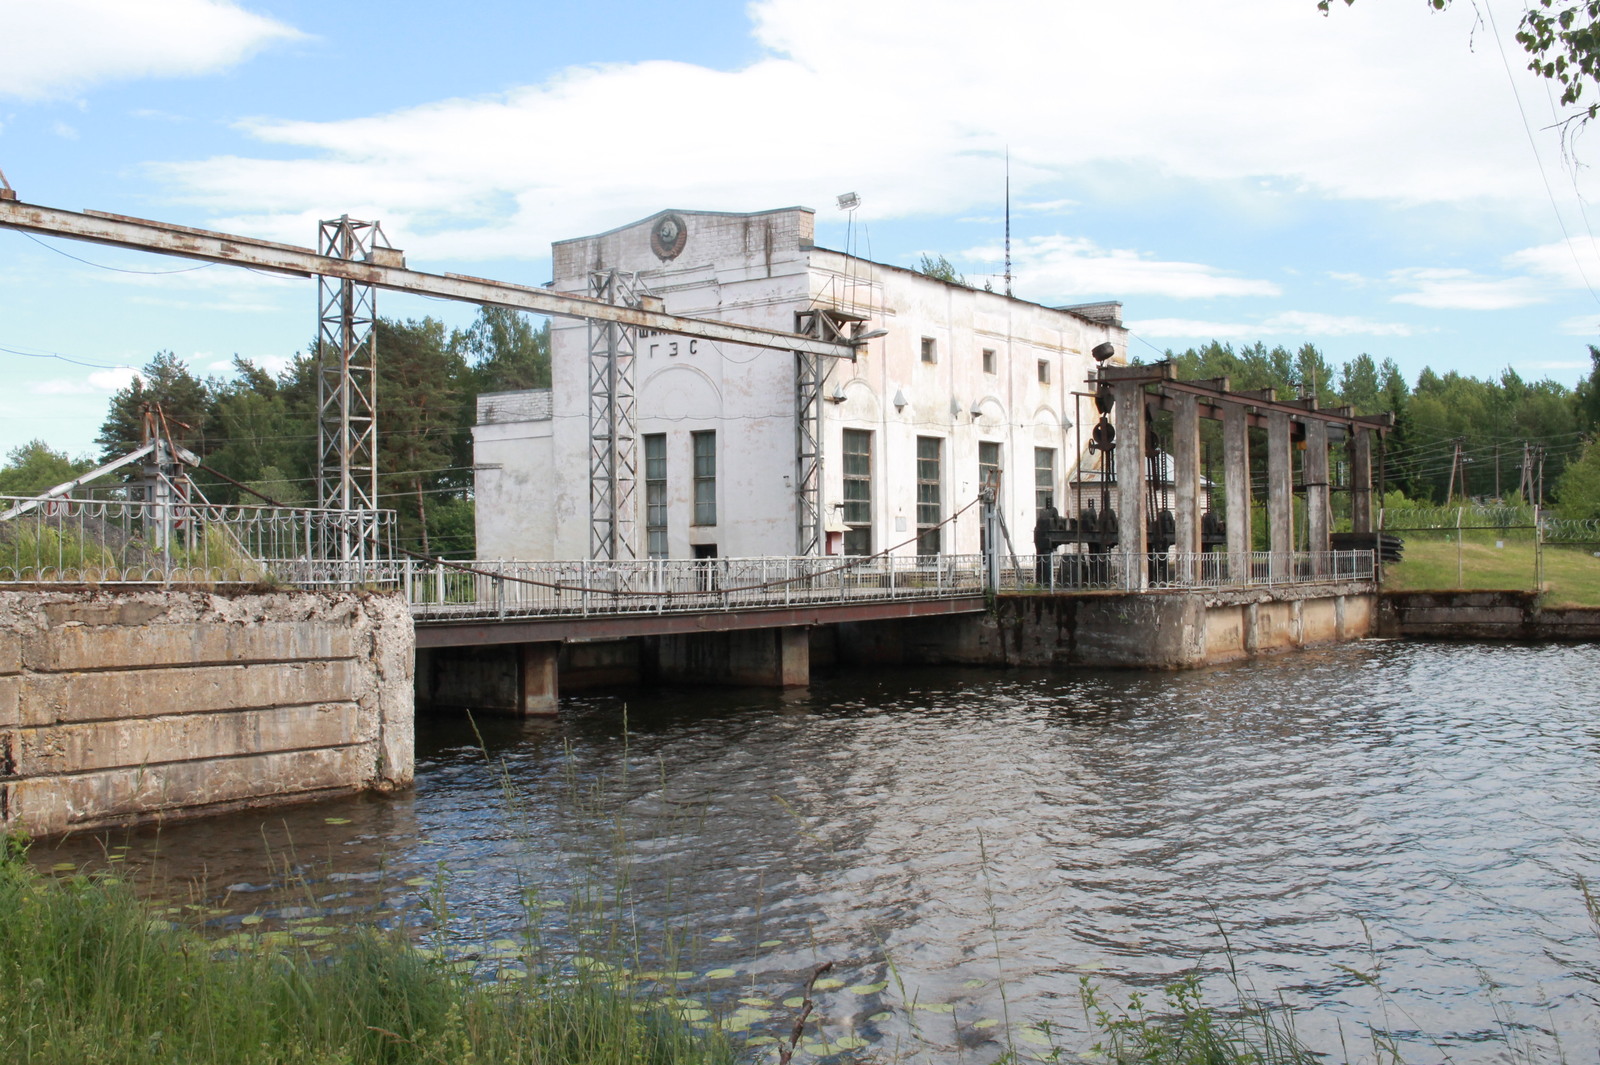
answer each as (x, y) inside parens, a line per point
(440, 591)
(498, 589)
(130, 541)
(1174, 570)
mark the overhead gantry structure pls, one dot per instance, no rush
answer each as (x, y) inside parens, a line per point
(352, 260)
(1135, 392)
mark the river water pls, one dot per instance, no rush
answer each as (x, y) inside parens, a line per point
(1381, 833)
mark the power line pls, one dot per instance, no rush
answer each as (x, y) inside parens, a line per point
(116, 269)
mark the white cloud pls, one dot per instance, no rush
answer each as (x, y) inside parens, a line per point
(64, 131)
(1463, 290)
(1060, 267)
(1288, 323)
(60, 47)
(504, 175)
(1583, 325)
(108, 380)
(1571, 263)
(61, 387)
(113, 379)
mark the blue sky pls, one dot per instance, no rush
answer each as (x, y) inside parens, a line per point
(1381, 180)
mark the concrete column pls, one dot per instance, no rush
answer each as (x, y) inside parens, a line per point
(537, 681)
(766, 658)
(1186, 475)
(1361, 480)
(1318, 514)
(1236, 472)
(1130, 482)
(1280, 492)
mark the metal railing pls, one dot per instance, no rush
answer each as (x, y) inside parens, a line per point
(496, 589)
(451, 591)
(1173, 570)
(125, 541)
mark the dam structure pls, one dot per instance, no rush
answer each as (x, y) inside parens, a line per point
(162, 656)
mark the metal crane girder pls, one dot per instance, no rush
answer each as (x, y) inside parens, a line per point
(386, 269)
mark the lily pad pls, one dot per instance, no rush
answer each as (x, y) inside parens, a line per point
(251, 918)
(1032, 1035)
(867, 989)
(987, 1022)
(419, 881)
(63, 867)
(879, 1018)
(337, 820)
(770, 943)
(721, 974)
(828, 984)
(760, 1041)
(795, 1002)
(973, 983)
(722, 939)
(755, 1000)
(936, 1007)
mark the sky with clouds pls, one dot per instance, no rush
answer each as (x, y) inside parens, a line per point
(1385, 179)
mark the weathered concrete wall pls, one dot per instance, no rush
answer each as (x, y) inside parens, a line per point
(118, 707)
(1505, 615)
(1149, 631)
(779, 658)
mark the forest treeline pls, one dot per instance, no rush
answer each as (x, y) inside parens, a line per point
(260, 429)
(1455, 437)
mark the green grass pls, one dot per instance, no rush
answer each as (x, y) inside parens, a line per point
(1571, 574)
(88, 974)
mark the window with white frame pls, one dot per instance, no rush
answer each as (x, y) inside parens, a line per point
(705, 477)
(655, 494)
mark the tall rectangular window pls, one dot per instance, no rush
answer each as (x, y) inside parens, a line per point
(929, 455)
(705, 478)
(988, 463)
(857, 492)
(988, 360)
(929, 352)
(988, 475)
(1044, 477)
(1044, 371)
(655, 494)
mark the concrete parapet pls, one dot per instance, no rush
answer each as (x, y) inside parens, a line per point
(124, 706)
(1150, 630)
(1483, 615)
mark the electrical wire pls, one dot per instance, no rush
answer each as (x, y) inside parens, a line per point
(1533, 145)
(116, 269)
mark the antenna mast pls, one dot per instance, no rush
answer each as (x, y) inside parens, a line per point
(1008, 221)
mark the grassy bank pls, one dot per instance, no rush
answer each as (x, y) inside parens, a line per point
(87, 974)
(1571, 574)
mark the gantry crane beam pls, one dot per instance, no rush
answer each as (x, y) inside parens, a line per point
(386, 269)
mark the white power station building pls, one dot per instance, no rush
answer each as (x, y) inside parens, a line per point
(718, 455)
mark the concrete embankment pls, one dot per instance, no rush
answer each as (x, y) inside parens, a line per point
(123, 706)
(1489, 615)
(1152, 630)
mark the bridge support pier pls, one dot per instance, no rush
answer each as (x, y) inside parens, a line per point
(768, 658)
(538, 678)
(512, 679)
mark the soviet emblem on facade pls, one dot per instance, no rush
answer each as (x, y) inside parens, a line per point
(668, 236)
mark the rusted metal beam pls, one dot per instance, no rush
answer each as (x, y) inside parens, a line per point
(445, 633)
(385, 269)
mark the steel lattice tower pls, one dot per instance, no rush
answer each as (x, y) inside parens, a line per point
(347, 379)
